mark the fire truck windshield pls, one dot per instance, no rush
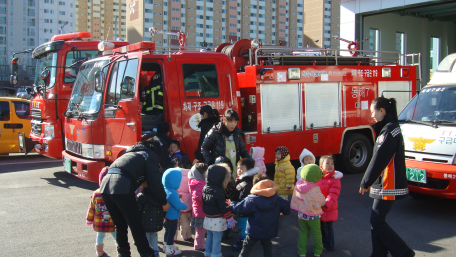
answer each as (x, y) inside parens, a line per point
(46, 60)
(432, 105)
(87, 92)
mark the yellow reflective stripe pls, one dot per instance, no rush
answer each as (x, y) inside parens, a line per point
(149, 108)
(160, 93)
(158, 107)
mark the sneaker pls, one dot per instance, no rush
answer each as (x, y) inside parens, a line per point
(238, 245)
(172, 250)
(190, 239)
(156, 253)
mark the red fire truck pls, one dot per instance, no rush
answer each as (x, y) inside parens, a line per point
(57, 65)
(317, 100)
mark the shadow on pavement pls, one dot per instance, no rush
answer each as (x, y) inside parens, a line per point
(66, 180)
(30, 162)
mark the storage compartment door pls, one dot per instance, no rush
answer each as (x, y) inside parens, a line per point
(323, 105)
(402, 98)
(281, 108)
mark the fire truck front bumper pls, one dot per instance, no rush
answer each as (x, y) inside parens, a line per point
(440, 179)
(49, 147)
(83, 168)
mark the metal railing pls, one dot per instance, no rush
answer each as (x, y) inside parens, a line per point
(414, 63)
(278, 52)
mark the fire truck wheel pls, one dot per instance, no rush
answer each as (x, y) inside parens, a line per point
(356, 154)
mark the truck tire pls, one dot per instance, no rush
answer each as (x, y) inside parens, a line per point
(356, 154)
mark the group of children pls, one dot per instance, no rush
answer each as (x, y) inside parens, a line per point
(198, 198)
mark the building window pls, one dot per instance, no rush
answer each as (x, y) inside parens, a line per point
(61, 12)
(434, 55)
(400, 45)
(31, 12)
(374, 40)
(61, 3)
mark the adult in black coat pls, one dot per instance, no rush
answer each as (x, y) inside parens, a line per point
(385, 178)
(138, 164)
(214, 144)
(210, 118)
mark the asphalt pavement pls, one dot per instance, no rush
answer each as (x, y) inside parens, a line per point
(43, 209)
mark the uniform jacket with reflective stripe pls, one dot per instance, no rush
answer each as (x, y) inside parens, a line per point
(386, 173)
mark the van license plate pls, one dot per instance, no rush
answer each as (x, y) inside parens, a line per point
(416, 175)
(67, 165)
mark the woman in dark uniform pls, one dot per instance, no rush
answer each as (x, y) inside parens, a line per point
(386, 179)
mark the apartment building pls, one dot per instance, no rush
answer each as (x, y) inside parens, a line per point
(25, 24)
(321, 22)
(104, 19)
(212, 22)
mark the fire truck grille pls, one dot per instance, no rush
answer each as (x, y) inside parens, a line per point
(36, 126)
(36, 113)
(74, 147)
(432, 183)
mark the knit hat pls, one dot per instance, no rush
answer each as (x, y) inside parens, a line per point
(311, 173)
(102, 174)
(163, 127)
(283, 151)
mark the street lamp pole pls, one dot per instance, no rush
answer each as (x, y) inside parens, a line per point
(61, 27)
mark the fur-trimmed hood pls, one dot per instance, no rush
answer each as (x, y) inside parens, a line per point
(250, 173)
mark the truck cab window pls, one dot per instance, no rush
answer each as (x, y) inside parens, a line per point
(75, 56)
(200, 80)
(122, 82)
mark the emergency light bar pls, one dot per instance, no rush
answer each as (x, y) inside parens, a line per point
(135, 47)
(71, 36)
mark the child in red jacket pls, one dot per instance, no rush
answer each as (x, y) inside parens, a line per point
(330, 187)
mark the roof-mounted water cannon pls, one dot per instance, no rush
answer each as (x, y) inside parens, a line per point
(106, 47)
(353, 46)
(180, 35)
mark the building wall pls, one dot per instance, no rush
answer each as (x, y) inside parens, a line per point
(52, 16)
(214, 22)
(102, 18)
(418, 33)
(321, 21)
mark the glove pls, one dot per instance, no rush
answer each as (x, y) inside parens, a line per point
(89, 223)
(231, 222)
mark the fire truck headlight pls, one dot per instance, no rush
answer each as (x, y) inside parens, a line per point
(48, 130)
(98, 151)
(87, 150)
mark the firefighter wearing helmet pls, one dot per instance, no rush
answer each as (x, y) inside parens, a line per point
(153, 96)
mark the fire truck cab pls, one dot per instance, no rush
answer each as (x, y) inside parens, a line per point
(57, 65)
(428, 125)
(319, 102)
(106, 113)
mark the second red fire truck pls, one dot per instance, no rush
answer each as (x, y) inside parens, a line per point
(317, 100)
(57, 65)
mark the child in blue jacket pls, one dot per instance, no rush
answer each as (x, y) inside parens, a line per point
(171, 181)
(263, 207)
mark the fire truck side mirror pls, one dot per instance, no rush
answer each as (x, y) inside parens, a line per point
(45, 74)
(99, 81)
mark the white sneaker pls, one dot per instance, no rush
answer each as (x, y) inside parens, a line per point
(172, 250)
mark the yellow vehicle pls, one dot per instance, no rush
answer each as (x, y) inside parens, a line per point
(14, 122)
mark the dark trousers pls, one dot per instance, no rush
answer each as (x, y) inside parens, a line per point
(384, 238)
(249, 243)
(124, 212)
(170, 231)
(327, 235)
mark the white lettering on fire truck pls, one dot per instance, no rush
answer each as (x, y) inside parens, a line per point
(365, 73)
(318, 73)
(361, 91)
(196, 106)
(450, 176)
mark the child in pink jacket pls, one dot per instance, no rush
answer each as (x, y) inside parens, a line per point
(196, 182)
(257, 154)
(330, 187)
(185, 164)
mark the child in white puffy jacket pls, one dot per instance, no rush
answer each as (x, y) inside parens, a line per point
(306, 157)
